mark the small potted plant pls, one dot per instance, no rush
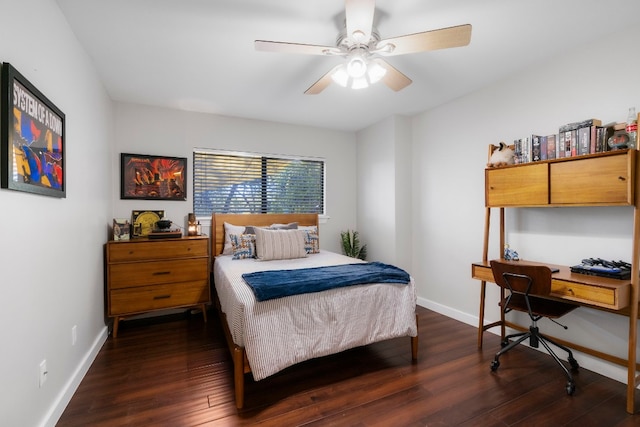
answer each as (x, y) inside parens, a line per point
(351, 245)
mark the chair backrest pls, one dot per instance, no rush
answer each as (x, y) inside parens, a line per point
(518, 275)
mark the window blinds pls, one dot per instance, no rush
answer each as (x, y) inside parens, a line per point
(247, 183)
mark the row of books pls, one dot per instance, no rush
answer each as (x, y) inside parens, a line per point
(573, 139)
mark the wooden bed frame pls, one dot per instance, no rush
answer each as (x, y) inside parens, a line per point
(240, 362)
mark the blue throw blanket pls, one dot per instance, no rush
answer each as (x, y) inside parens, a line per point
(268, 285)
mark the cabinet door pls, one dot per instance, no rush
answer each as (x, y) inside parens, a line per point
(525, 185)
(604, 180)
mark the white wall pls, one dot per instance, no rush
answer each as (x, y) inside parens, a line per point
(384, 190)
(449, 157)
(51, 265)
(158, 131)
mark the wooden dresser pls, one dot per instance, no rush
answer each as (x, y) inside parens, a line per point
(147, 275)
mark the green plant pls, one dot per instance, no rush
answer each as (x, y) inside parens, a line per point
(351, 245)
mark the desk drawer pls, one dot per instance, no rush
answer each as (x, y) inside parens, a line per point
(145, 298)
(608, 293)
(615, 299)
(156, 272)
(482, 272)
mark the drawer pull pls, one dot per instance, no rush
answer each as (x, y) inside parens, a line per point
(162, 296)
(622, 178)
(160, 273)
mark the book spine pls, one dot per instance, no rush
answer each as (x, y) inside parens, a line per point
(593, 138)
(551, 147)
(574, 142)
(544, 150)
(600, 139)
(583, 141)
(561, 145)
(535, 148)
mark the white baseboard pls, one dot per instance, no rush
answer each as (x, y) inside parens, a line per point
(65, 395)
(602, 367)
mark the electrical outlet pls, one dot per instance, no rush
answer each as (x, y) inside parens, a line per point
(74, 334)
(42, 378)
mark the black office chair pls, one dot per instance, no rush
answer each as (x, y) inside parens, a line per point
(524, 285)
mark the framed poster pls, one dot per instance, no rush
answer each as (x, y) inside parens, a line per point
(32, 140)
(153, 177)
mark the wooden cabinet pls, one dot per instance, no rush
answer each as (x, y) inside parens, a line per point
(526, 185)
(606, 180)
(596, 180)
(148, 275)
(603, 179)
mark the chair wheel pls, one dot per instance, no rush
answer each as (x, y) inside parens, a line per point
(494, 365)
(574, 364)
(571, 388)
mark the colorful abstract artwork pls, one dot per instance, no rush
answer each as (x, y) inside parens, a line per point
(152, 177)
(32, 138)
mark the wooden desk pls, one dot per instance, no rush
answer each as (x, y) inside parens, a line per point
(604, 179)
(582, 289)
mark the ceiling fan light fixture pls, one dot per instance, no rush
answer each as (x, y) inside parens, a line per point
(359, 83)
(340, 76)
(357, 67)
(375, 72)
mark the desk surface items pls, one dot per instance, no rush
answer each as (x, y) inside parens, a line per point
(605, 179)
(147, 275)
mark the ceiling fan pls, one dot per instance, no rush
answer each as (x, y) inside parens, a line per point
(364, 50)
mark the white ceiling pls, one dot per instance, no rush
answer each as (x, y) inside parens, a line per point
(198, 55)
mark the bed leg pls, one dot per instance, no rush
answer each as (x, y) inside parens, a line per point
(414, 343)
(238, 375)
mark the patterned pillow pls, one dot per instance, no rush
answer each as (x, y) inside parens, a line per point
(279, 244)
(230, 229)
(311, 240)
(244, 245)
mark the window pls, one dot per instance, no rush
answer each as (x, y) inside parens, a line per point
(229, 182)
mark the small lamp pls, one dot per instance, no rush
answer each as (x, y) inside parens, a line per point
(191, 226)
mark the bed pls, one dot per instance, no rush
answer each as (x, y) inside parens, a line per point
(267, 336)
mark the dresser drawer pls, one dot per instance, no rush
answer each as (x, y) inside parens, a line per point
(165, 249)
(154, 297)
(135, 274)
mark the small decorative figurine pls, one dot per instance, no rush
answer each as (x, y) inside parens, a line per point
(510, 254)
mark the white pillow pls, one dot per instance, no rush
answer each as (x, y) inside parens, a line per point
(279, 244)
(230, 229)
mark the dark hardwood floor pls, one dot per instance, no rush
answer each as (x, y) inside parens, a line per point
(176, 371)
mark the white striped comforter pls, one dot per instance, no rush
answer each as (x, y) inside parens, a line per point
(282, 332)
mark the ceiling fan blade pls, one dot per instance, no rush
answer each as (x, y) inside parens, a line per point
(429, 40)
(286, 47)
(393, 78)
(322, 82)
(359, 19)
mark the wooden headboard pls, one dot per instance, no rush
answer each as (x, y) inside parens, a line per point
(260, 220)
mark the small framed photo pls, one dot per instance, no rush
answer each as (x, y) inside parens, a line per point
(121, 229)
(32, 138)
(145, 177)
